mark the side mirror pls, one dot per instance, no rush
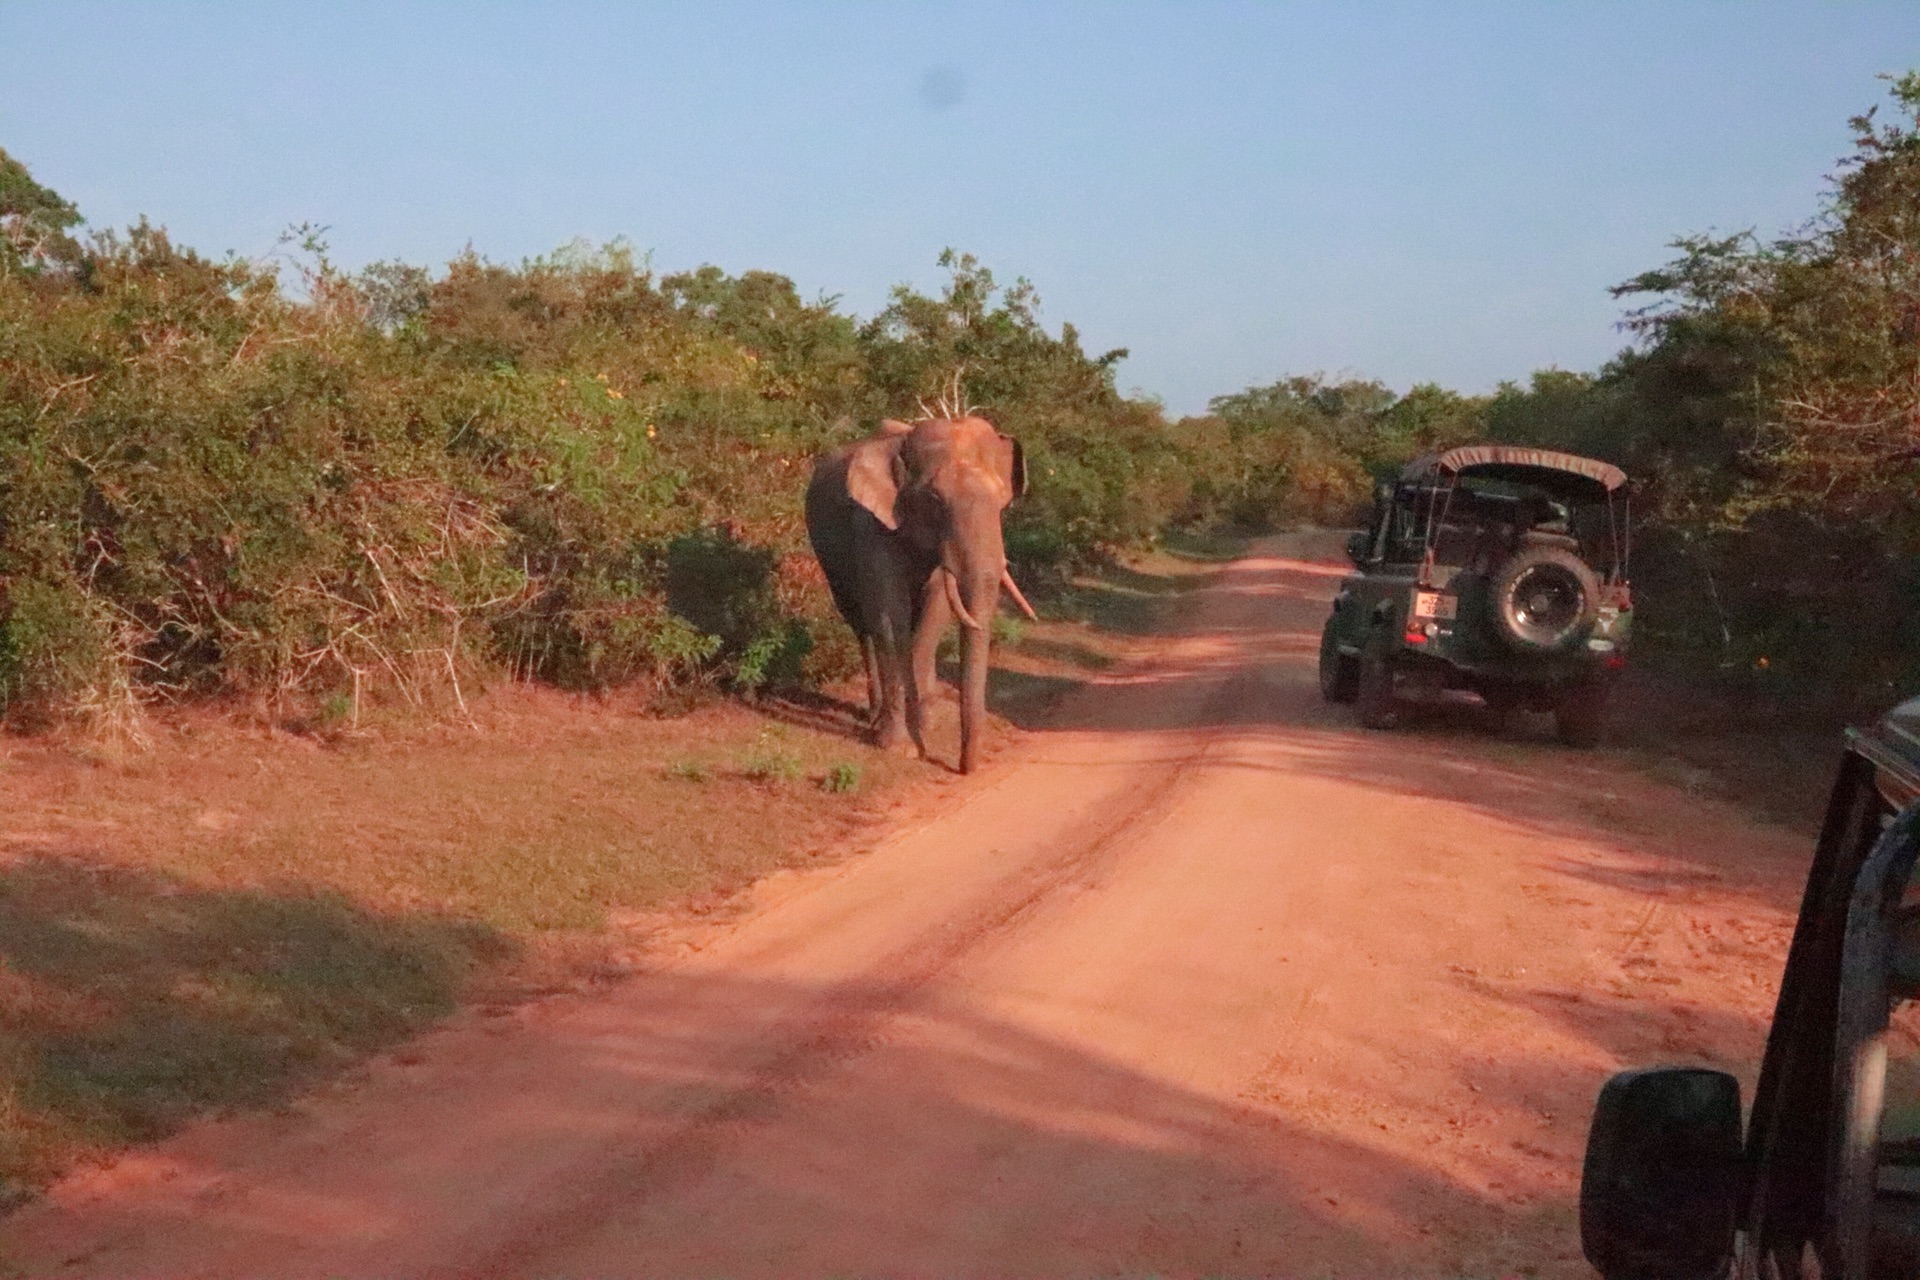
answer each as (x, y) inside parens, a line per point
(1660, 1190)
(1358, 547)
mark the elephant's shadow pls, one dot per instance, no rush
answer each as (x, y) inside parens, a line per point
(1019, 697)
(817, 710)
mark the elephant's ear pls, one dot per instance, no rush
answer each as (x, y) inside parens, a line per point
(1015, 468)
(874, 476)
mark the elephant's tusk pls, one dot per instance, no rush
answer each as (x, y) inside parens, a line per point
(1013, 589)
(953, 598)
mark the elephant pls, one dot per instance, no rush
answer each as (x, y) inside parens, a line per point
(906, 526)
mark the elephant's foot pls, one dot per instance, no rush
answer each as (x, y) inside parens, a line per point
(894, 738)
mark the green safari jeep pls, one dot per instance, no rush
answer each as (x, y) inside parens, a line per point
(1490, 568)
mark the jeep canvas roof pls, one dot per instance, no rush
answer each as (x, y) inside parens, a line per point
(1547, 469)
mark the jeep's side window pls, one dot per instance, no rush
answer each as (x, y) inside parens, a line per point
(1403, 544)
(1382, 525)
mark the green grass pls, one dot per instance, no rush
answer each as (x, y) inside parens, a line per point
(842, 779)
(131, 1001)
(771, 759)
(1124, 598)
(1205, 546)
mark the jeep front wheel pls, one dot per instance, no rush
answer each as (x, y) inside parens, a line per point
(1374, 700)
(1339, 673)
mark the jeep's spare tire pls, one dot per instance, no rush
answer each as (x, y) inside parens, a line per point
(1544, 598)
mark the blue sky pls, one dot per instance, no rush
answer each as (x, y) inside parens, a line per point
(1235, 192)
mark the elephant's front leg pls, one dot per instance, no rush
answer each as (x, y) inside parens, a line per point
(931, 625)
(897, 707)
(876, 687)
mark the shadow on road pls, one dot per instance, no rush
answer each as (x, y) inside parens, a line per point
(891, 1105)
(1253, 673)
(131, 1001)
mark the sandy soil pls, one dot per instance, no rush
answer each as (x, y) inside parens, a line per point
(1199, 979)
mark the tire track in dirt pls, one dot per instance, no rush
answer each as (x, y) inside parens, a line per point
(850, 1019)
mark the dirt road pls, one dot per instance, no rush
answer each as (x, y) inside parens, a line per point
(1201, 979)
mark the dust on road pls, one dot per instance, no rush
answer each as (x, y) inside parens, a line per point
(1199, 979)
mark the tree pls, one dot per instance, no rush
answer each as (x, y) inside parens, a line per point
(34, 221)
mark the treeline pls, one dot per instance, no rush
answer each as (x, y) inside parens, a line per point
(294, 483)
(317, 487)
(1768, 409)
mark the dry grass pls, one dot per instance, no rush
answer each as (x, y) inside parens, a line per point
(231, 913)
(219, 919)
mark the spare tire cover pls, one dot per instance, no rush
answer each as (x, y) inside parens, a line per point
(1544, 598)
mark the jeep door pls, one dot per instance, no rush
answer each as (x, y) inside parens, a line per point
(1834, 1140)
(1380, 589)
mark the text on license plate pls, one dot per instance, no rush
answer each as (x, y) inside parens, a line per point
(1431, 604)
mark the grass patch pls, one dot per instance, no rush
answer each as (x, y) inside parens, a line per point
(1087, 626)
(843, 779)
(771, 759)
(225, 918)
(131, 1001)
(1069, 653)
(1124, 598)
(1203, 546)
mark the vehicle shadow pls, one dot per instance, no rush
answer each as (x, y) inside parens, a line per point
(720, 1125)
(131, 1001)
(1243, 668)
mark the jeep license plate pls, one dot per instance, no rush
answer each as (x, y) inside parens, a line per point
(1431, 604)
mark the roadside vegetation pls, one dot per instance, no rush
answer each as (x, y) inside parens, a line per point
(319, 494)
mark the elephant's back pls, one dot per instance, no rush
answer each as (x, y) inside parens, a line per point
(829, 513)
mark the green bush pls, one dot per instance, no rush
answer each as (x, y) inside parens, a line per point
(363, 487)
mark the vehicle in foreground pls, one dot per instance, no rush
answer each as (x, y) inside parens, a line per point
(1491, 568)
(1825, 1179)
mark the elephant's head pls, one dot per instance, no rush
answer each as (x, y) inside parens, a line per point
(942, 484)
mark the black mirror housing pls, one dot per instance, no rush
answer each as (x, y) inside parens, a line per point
(1660, 1190)
(1357, 547)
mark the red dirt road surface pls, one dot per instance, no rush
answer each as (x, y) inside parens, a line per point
(1198, 979)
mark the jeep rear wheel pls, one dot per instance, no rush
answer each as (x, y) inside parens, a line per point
(1339, 673)
(1374, 700)
(1580, 717)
